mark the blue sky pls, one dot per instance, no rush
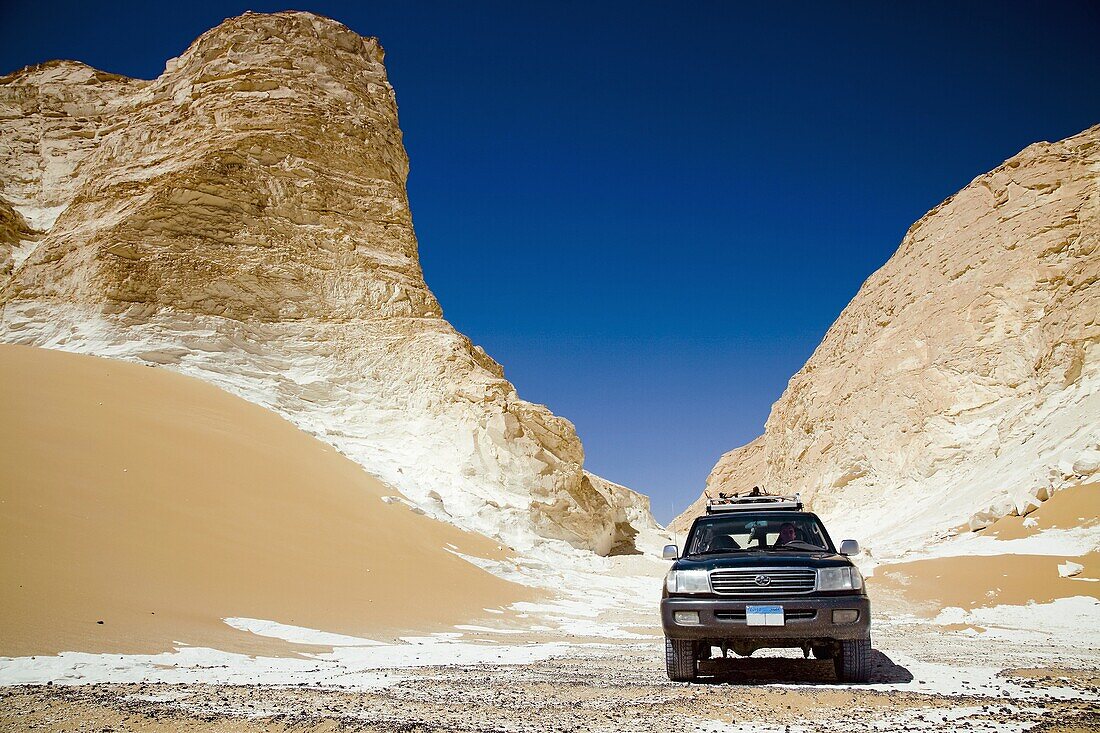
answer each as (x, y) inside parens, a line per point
(651, 213)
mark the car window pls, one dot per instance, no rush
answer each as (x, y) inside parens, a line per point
(758, 532)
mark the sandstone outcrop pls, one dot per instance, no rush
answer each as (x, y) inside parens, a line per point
(962, 383)
(243, 218)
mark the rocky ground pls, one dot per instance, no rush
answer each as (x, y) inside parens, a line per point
(591, 665)
(925, 678)
(624, 691)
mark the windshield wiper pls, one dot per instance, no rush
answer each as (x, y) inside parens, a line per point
(719, 552)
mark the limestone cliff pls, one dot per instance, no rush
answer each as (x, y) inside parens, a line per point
(962, 382)
(243, 218)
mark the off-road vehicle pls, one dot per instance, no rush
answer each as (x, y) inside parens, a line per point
(757, 571)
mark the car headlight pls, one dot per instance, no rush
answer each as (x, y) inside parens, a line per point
(842, 578)
(688, 581)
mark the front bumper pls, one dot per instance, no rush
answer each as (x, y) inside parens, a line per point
(807, 618)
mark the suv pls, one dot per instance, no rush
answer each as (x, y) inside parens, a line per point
(759, 572)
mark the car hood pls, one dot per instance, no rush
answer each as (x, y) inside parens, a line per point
(749, 559)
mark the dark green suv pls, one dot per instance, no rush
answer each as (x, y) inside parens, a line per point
(758, 574)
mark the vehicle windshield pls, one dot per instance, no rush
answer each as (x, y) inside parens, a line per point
(763, 531)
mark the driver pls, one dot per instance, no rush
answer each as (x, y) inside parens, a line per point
(787, 534)
(706, 539)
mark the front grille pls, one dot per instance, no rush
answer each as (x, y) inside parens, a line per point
(794, 614)
(780, 581)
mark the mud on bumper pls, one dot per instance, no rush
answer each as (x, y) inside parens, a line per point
(805, 619)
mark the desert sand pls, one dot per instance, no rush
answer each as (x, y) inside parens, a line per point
(139, 507)
(926, 586)
(1075, 507)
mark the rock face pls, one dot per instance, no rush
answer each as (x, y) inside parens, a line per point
(243, 218)
(635, 529)
(962, 382)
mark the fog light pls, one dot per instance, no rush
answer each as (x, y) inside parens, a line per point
(849, 616)
(686, 617)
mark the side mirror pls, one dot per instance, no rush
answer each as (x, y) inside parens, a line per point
(670, 552)
(849, 548)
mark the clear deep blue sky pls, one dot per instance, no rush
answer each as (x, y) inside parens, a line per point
(651, 213)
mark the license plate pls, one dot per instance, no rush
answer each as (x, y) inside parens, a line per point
(764, 615)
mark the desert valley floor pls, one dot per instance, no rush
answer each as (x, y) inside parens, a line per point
(926, 677)
(148, 577)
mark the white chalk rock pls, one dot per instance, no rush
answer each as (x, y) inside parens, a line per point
(1088, 463)
(964, 371)
(243, 218)
(1069, 569)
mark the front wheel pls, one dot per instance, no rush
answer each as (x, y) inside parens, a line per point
(853, 661)
(680, 659)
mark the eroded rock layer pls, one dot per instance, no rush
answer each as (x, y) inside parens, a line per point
(962, 383)
(243, 218)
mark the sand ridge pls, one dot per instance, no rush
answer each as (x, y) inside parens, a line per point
(928, 585)
(1077, 506)
(159, 505)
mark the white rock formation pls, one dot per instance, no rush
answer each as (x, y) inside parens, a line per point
(243, 219)
(962, 383)
(635, 529)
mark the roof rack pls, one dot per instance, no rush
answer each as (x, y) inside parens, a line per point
(753, 500)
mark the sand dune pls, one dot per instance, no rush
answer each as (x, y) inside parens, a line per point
(159, 505)
(929, 586)
(1078, 506)
(1011, 578)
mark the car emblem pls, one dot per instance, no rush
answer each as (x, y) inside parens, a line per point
(763, 580)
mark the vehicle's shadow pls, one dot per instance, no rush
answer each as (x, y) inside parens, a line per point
(787, 670)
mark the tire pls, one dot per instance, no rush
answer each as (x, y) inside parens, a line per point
(680, 659)
(853, 662)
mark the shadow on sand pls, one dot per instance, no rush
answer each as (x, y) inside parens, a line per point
(792, 671)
